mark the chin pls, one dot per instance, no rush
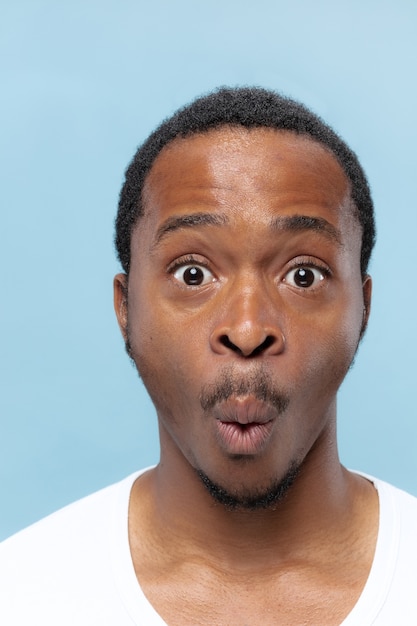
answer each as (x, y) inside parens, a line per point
(246, 499)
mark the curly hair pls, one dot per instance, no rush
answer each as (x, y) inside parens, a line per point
(249, 107)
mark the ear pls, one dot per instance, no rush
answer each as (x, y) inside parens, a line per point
(120, 302)
(367, 296)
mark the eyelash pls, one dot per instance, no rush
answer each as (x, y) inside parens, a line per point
(308, 262)
(189, 259)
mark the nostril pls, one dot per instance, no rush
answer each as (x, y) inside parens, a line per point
(224, 339)
(263, 346)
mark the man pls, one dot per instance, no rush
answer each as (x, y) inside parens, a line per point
(245, 228)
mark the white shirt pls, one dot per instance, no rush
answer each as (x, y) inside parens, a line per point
(74, 568)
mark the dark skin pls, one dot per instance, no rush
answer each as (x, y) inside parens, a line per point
(246, 265)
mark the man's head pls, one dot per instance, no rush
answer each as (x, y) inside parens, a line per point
(247, 108)
(245, 296)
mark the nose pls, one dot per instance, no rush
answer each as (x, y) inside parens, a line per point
(248, 326)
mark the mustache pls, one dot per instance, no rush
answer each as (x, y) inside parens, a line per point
(257, 384)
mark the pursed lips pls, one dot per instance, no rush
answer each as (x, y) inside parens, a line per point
(244, 410)
(244, 425)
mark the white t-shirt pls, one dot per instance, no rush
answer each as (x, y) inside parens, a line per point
(74, 567)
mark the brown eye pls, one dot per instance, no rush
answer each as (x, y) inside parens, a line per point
(304, 277)
(193, 275)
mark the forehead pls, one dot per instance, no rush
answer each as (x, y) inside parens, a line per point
(249, 174)
(268, 157)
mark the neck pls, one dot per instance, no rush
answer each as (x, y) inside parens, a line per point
(324, 505)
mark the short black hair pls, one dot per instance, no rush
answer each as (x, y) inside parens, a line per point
(249, 107)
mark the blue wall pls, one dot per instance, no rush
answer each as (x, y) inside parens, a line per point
(83, 83)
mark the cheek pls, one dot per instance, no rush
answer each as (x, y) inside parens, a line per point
(333, 343)
(169, 356)
(163, 331)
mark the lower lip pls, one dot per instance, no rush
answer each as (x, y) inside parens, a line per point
(243, 439)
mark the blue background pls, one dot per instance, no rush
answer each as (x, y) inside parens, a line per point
(82, 84)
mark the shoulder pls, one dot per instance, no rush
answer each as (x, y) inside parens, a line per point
(397, 554)
(389, 593)
(396, 550)
(399, 508)
(404, 503)
(66, 553)
(397, 497)
(74, 522)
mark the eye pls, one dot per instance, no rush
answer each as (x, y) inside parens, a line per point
(193, 275)
(304, 277)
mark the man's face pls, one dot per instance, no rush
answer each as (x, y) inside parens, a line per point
(245, 302)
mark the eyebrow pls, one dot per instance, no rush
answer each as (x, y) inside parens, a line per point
(290, 223)
(179, 222)
(307, 222)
